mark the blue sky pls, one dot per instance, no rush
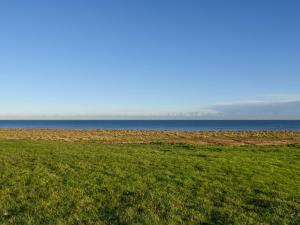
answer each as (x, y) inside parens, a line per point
(93, 58)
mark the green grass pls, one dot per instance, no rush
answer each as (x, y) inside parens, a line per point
(51, 182)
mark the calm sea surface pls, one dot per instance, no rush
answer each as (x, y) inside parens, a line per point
(157, 124)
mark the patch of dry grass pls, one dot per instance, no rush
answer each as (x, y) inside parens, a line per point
(142, 136)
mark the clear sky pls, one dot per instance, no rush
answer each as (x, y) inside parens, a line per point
(156, 57)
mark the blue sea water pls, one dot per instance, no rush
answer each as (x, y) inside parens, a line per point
(157, 124)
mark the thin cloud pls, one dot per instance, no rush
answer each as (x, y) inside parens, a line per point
(279, 107)
(260, 110)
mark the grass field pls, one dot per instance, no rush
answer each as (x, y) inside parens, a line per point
(55, 182)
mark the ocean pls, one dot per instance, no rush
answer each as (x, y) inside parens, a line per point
(291, 125)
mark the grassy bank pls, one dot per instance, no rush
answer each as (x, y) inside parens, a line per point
(52, 182)
(149, 136)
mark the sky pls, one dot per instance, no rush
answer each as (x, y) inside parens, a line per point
(150, 59)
